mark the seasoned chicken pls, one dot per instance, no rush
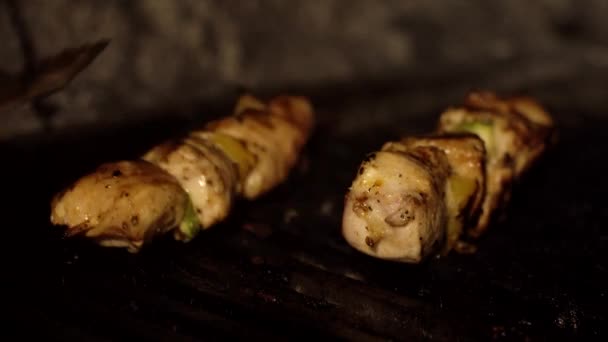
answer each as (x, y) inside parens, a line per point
(189, 183)
(121, 204)
(462, 172)
(395, 208)
(465, 185)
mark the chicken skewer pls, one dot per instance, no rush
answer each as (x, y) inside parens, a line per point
(188, 184)
(422, 195)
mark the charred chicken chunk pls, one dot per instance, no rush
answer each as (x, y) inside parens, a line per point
(122, 204)
(394, 209)
(465, 184)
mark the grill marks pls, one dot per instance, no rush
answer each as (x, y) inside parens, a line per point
(210, 290)
(283, 286)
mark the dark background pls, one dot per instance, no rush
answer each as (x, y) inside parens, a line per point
(375, 70)
(169, 53)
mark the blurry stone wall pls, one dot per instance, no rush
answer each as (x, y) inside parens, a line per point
(165, 51)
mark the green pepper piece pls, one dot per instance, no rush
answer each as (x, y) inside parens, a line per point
(190, 225)
(483, 129)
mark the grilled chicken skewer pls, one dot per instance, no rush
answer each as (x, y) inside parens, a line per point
(190, 183)
(423, 195)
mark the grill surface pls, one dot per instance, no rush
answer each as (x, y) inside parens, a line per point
(279, 269)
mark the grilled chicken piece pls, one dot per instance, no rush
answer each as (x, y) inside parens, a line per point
(121, 204)
(465, 185)
(515, 133)
(190, 183)
(395, 209)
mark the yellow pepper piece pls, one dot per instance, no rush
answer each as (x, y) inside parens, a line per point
(236, 151)
(461, 189)
(484, 130)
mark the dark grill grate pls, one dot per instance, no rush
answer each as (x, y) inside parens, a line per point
(279, 269)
